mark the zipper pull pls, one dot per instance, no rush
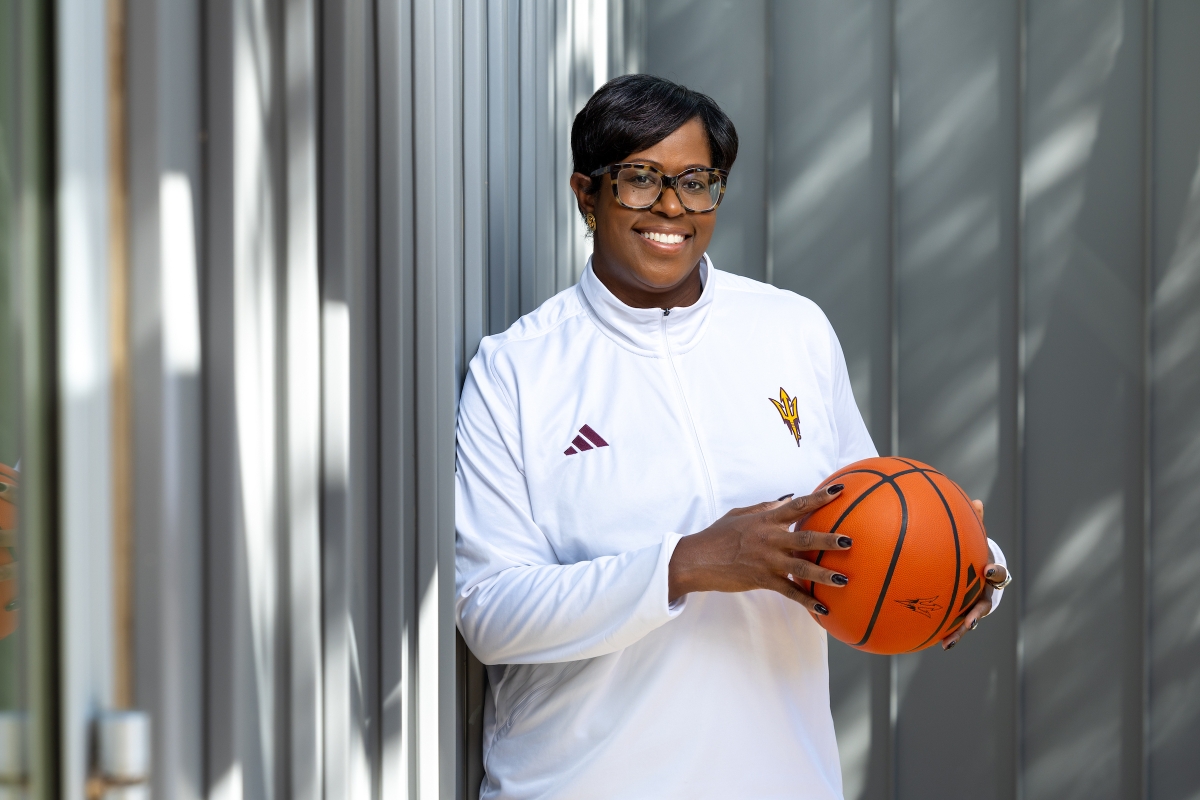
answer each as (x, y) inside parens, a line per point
(666, 312)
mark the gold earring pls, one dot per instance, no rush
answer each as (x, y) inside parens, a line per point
(590, 221)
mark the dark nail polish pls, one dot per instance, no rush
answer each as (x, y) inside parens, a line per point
(845, 541)
(822, 610)
(837, 487)
(786, 496)
(839, 579)
(990, 572)
(974, 625)
(951, 645)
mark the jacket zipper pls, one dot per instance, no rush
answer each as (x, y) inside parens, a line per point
(712, 498)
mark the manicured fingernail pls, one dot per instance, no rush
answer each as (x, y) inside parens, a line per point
(974, 625)
(839, 579)
(990, 572)
(837, 487)
(786, 496)
(790, 578)
(822, 610)
(845, 541)
(949, 646)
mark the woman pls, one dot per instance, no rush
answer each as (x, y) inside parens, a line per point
(635, 599)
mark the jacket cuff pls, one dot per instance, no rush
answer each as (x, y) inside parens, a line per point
(997, 558)
(669, 543)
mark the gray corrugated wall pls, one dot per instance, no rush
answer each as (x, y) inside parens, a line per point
(998, 205)
(1174, 592)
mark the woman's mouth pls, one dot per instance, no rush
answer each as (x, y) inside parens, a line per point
(663, 238)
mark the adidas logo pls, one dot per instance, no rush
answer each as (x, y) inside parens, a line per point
(586, 439)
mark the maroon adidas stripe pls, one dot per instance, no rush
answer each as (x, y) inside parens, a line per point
(570, 451)
(581, 443)
(592, 436)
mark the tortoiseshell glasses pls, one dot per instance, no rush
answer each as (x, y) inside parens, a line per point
(639, 186)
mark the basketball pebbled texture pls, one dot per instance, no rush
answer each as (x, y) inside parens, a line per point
(916, 565)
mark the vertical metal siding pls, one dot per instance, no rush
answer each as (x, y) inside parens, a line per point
(994, 203)
(1174, 641)
(955, 183)
(166, 198)
(1083, 489)
(243, 399)
(302, 412)
(734, 33)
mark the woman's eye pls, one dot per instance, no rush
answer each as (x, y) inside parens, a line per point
(642, 180)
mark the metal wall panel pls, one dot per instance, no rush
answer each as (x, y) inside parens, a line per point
(1082, 273)
(349, 289)
(830, 128)
(1174, 771)
(84, 378)
(397, 400)
(167, 203)
(301, 501)
(438, 147)
(734, 32)
(955, 211)
(244, 589)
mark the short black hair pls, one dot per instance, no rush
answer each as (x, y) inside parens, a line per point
(633, 112)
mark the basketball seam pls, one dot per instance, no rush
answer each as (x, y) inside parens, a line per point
(812, 588)
(957, 562)
(887, 580)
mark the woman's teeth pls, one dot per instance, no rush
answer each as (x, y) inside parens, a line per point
(665, 238)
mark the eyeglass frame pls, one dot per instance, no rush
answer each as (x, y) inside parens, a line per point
(668, 182)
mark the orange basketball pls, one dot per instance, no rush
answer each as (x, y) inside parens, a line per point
(916, 565)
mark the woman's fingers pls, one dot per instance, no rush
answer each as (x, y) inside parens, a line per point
(978, 611)
(978, 506)
(793, 592)
(969, 623)
(799, 569)
(995, 574)
(757, 508)
(799, 508)
(815, 540)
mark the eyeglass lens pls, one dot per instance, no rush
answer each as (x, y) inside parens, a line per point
(640, 188)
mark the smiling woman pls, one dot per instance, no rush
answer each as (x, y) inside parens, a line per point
(650, 230)
(637, 595)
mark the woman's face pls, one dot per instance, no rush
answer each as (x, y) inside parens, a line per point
(640, 271)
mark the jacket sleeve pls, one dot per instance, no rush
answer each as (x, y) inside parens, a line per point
(515, 603)
(854, 442)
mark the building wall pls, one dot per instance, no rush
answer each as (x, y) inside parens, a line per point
(329, 204)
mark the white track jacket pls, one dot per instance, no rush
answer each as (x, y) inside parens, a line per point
(591, 437)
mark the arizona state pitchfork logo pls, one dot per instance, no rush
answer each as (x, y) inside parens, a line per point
(786, 406)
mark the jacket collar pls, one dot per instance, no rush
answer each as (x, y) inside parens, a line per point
(642, 329)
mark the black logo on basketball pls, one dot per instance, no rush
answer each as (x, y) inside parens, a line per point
(974, 589)
(925, 606)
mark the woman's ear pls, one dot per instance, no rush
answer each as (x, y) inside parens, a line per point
(580, 184)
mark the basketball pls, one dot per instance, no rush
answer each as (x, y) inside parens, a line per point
(916, 565)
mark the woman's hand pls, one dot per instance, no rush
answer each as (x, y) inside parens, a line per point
(994, 575)
(754, 548)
